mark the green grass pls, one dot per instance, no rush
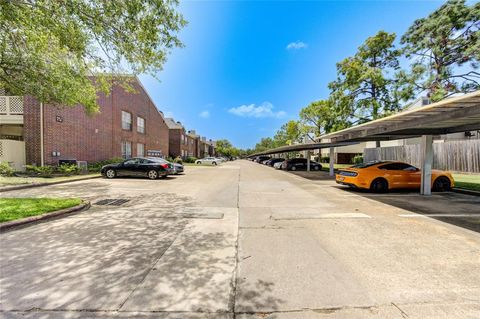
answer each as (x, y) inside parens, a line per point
(17, 208)
(15, 180)
(466, 181)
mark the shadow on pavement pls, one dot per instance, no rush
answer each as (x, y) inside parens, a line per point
(459, 209)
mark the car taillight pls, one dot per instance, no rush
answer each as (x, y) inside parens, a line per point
(347, 173)
(165, 165)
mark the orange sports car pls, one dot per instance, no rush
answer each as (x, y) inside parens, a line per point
(384, 175)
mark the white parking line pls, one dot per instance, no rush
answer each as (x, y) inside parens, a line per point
(319, 216)
(438, 215)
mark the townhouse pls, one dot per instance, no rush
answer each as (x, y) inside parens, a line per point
(128, 124)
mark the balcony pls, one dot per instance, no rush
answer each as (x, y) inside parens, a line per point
(11, 110)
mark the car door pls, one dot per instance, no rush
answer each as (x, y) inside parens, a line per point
(129, 168)
(301, 163)
(143, 166)
(393, 174)
(412, 176)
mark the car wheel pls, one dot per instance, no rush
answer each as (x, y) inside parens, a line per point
(379, 185)
(293, 168)
(442, 184)
(152, 174)
(214, 163)
(110, 173)
(316, 168)
(199, 162)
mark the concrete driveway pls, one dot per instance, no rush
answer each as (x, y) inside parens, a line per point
(239, 240)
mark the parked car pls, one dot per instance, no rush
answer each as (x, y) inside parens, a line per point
(382, 176)
(272, 161)
(208, 160)
(278, 165)
(178, 168)
(299, 164)
(262, 158)
(138, 166)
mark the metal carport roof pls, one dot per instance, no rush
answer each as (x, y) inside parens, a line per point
(457, 114)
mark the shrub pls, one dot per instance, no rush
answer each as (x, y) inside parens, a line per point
(6, 169)
(68, 169)
(324, 159)
(178, 160)
(357, 159)
(97, 166)
(190, 159)
(43, 171)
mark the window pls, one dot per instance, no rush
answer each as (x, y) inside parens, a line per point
(126, 150)
(398, 167)
(126, 121)
(140, 125)
(140, 149)
(183, 139)
(133, 161)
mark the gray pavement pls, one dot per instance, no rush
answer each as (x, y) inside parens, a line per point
(243, 241)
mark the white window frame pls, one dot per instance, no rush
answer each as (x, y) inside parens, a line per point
(140, 146)
(126, 149)
(126, 121)
(140, 125)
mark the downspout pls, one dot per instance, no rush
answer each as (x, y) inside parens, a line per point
(42, 151)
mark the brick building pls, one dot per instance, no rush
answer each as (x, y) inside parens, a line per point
(128, 124)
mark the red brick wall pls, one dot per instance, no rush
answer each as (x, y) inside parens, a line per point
(74, 134)
(174, 138)
(31, 124)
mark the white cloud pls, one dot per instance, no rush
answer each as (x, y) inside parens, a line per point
(263, 110)
(204, 114)
(297, 45)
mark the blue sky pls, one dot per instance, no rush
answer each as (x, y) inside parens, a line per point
(248, 66)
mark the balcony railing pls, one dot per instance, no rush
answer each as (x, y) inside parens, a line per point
(11, 105)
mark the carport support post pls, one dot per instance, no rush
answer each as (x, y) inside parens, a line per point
(308, 161)
(331, 159)
(427, 161)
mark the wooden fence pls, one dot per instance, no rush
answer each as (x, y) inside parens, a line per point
(459, 156)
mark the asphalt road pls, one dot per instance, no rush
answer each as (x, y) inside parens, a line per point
(243, 241)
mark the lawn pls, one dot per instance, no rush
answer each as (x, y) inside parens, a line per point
(467, 181)
(17, 208)
(15, 180)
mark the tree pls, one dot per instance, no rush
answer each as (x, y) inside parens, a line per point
(445, 47)
(288, 134)
(319, 117)
(225, 148)
(50, 49)
(363, 88)
(264, 144)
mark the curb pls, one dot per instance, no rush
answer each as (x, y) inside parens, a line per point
(465, 191)
(33, 219)
(14, 188)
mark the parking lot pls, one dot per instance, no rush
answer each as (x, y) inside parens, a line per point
(242, 240)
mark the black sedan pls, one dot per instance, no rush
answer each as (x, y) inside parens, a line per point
(297, 164)
(138, 166)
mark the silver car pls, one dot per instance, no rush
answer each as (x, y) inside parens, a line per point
(208, 160)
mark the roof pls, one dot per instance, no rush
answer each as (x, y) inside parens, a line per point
(302, 147)
(172, 124)
(457, 114)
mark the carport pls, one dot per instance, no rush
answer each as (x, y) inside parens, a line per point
(452, 115)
